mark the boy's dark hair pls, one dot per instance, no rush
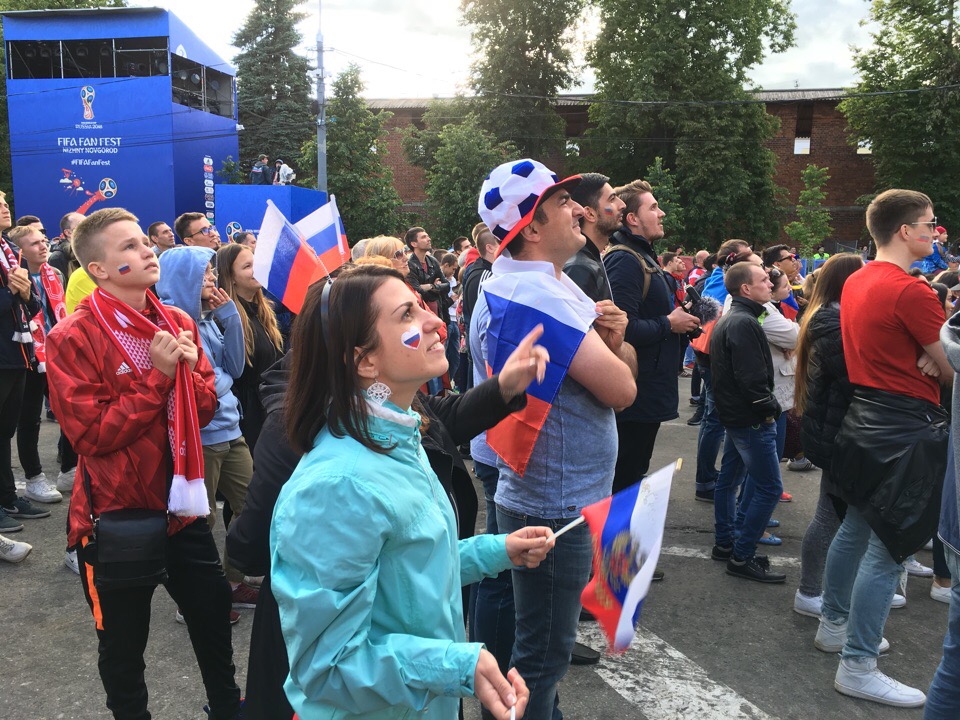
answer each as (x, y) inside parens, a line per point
(892, 209)
(152, 230)
(730, 248)
(587, 193)
(667, 258)
(449, 259)
(87, 245)
(324, 386)
(181, 224)
(458, 243)
(710, 262)
(27, 220)
(772, 254)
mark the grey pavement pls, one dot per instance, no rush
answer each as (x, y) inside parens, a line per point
(710, 646)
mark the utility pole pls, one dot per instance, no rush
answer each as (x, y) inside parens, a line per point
(322, 110)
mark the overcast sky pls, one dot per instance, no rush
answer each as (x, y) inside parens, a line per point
(417, 48)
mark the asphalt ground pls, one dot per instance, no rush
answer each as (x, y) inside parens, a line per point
(710, 646)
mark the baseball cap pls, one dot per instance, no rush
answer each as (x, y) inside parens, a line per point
(941, 229)
(511, 194)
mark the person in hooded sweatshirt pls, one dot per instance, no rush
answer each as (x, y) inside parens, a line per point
(189, 282)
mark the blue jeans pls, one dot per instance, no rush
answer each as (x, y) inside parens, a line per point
(943, 699)
(748, 486)
(493, 616)
(548, 610)
(453, 349)
(710, 437)
(859, 580)
(750, 450)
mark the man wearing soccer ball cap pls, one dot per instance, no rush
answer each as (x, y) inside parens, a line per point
(538, 223)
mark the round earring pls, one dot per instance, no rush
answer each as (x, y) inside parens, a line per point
(379, 392)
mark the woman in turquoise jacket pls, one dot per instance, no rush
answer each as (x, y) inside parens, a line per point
(366, 565)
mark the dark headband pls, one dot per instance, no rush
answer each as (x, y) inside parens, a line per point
(325, 313)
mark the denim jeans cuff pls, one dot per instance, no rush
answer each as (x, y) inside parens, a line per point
(706, 487)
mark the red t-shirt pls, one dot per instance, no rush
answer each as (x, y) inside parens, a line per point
(886, 318)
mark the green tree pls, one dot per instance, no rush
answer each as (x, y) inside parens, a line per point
(356, 168)
(524, 60)
(912, 135)
(812, 225)
(420, 145)
(654, 69)
(6, 175)
(273, 82)
(464, 157)
(668, 198)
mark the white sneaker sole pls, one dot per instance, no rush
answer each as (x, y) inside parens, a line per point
(853, 692)
(823, 647)
(806, 613)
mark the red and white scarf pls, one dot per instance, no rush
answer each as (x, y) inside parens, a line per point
(132, 333)
(53, 289)
(22, 332)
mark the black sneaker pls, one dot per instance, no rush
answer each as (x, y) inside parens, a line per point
(705, 495)
(697, 417)
(23, 508)
(695, 401)
(753, 569)
(8, 524)
(657, 575)
(721, 553)
(583, 655)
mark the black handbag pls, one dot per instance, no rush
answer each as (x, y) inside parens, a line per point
(129, 546)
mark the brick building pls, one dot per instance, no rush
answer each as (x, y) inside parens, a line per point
(812, 130)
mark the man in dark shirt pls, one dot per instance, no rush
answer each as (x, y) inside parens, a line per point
(743, 388)
(602, 216)
(425, 272)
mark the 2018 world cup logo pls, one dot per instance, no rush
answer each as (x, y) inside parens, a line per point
(106, 190)
(234, 229)
(86, 95)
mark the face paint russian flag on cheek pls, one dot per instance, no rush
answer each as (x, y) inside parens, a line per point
(411, 338)
(123, 269)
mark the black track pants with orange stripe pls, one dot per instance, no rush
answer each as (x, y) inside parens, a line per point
(198, 586)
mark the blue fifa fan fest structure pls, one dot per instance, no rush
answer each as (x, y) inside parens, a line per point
(118, 107)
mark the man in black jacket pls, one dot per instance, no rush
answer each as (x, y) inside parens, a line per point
(644, 292)
(602, 216)
(425, 273)
(743, 389)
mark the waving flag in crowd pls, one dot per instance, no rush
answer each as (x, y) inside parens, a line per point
(323, 231)
(627, 532)
(284, 263)
(518, 302)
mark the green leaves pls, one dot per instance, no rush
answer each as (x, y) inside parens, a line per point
(812, 225)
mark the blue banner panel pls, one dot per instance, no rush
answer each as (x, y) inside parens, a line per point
(201, 142)
(80, 145)
(246, 204)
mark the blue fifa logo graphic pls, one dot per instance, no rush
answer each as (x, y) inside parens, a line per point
(87, 94)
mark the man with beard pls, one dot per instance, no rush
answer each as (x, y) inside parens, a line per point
(644, 290)
(602, 216)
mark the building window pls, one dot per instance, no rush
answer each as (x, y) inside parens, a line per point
(864, 147)
(804, 129)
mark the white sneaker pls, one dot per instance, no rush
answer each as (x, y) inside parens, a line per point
(70, 561)
(13, 551)
(899, 601)
(862, 679)
(831, 637)
(801, 465)
(940, 594)
(917, 569)
(40, 490)
(809, 606)
(65, 480)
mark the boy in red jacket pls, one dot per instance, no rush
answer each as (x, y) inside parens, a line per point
(127, 381)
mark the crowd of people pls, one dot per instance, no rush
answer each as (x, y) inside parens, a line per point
(336, 441)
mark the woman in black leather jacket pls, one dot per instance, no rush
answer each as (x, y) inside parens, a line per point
(823, 394)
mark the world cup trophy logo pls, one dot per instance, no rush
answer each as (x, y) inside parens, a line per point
(86, 95)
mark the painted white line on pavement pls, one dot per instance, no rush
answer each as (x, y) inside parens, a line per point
(664, 684)
(697, 553)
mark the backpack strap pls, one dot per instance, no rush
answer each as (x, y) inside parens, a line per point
(648, 271)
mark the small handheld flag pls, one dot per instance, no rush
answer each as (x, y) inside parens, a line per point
(627, 533)
(323, 231)
(284, 263)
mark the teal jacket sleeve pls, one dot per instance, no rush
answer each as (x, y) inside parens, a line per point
(324, 576)
(483, 556)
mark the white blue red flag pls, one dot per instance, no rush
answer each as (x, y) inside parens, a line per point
(284, 263)
(627, 532)
(323, 231)
(521, 295)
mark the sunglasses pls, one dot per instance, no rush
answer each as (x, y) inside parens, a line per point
(931, 223)
(399, 255)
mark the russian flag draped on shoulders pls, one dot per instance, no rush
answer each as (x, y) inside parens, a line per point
(521, 295)
(627, 533)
